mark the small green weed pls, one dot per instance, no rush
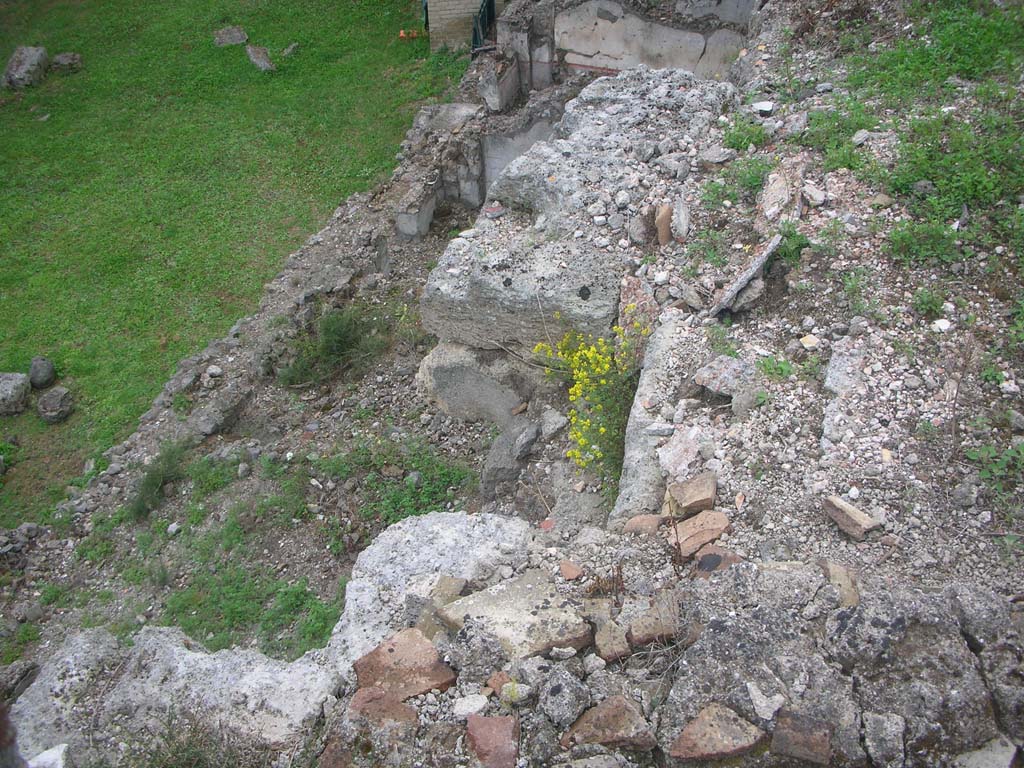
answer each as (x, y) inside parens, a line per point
(744, 133)
(718, 339)
(792, 245)
(853, 287)
(927, 302)
(812, 367)
(166, 468)
(1002, 470)
(708, 245)
(346, 340)
(926, 430)
(775, 368)
(914, 242)
(992, 374)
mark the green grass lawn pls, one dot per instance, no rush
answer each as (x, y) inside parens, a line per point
(168, 182)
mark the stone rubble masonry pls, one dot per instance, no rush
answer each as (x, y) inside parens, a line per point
(715, 734)
(404, 666)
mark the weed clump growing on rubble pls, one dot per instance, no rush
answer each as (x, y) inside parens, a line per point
(347, 339)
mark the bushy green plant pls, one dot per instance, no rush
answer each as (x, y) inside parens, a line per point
(928, 302)
(918, 242)
(775, 368)
(1002, 470)
(347, 339)
(793, 243)
(166, 468)
(744, 133)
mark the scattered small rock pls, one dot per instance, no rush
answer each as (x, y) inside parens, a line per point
(14, 389)
(854, 523)
(230, 36)
(260, 58)
(41, 373)
(66, 62)
(55, 405)
(26, 67)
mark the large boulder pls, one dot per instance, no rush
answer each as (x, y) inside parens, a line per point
(756, 656)
(474, 384)
(533, 267)
(500, 290)
(27, 66)
(49, 712)
(907, 652)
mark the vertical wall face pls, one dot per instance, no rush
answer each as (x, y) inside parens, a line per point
(601, 34)
(451, 23)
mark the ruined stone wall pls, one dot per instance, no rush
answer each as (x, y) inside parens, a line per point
(451, 23)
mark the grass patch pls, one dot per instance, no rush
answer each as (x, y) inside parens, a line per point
(919, 242)
(230, 597)
(708, 246)
(952, 39)
(977, 165)
(399, 480)
(15, 645)
(741, 181)
(745, 133)
(169, 182)
(830, 132)
(209, 476)
(347, 339)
